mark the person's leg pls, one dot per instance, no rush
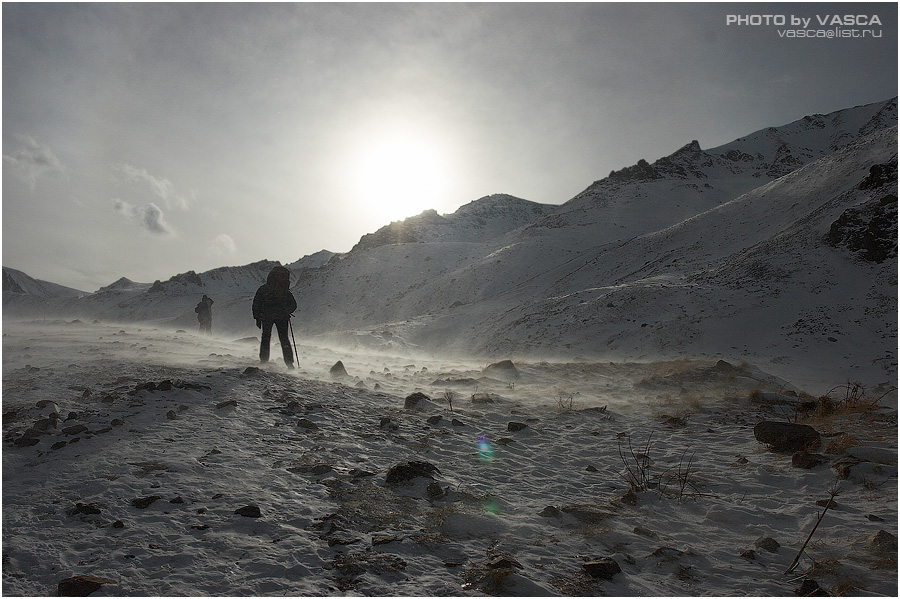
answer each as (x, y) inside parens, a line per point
(266, 338)
(285, 339)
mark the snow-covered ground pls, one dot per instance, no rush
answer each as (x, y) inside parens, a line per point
(533, 466)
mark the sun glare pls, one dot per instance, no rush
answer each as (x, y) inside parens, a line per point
(397, 175)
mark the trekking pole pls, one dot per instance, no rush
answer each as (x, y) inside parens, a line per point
(291, 326)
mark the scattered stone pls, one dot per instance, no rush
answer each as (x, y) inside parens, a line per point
(249, 511)
(883, 542)
(178, 499)
(786, 437)
(550, 512)
(810, 588)
(164, 386)
(251, 371)
(402, 473)
(503, 369)
(144, 502)
(317, 469)
(806, 460)
(432, 420)
(84, 508)
(674, 421)
(628, 498)
(591, 468)
(58, 445)
(434, 490)
(504, 562)
(307, 424)
(456, 422)
(81, 586)
(74, 429)
(415, 401)
(26, 441)
(767, 543)
(225, 404)
(171, 415)
(874, 518)
(514, 427)
(117, 422)
(604, 568)
(482, 398)
(118, 524)
(338, 370)
(749, 555)
(383, 539)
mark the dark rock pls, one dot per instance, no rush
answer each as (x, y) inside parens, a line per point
(58, 445)
(434, 490)
(118, 524)
(415, 401)
(749, 555)
(874, 518)
(504, 562)
(806, 460)
(26, 441)
(767, 543)
(225, 404)
(550, 512)
(144, 502)
(383, 539)
(505, 369)
(884, 543)
(401, 473)
(810, 588)
(786, 437)
(432, 420)
(514, 427)
(164, 386)
(74, 429)
(178, 499)
(456, 422)
(251, 371)
(249, 511)
(604, 568)
(84, 508)
(338, 370)
(81, 586)
(307, 424)
(317, 469)
(171, 415)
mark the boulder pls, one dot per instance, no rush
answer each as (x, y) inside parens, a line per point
(604, 568)
(406, 472)
(806, 460)
(249, 511)
(338, 370)
(81, 586)
(786, 437)
(884, 543)
(504, 369)
(415, 401)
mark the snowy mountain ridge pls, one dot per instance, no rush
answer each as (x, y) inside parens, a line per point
(685, 256)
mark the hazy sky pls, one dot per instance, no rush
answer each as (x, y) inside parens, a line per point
(144, 140)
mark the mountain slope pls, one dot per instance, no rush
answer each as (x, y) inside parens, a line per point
(735, 251)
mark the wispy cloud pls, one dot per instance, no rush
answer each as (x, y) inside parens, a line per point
(223, 245)
(31, 160)
(161, 187)
(149, 217)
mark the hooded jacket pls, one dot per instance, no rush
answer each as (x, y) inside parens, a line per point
(273, 301)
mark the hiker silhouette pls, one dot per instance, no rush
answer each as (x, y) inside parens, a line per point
(204, 314)
(273, 304)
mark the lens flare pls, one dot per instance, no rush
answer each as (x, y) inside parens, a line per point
(485, 451)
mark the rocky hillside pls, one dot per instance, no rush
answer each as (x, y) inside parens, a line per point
(779, 246)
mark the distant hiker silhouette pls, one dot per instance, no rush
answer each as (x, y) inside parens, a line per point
(274, 304)
(204, 315)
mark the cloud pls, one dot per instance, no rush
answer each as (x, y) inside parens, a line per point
(223, 245)
(150, 217)
(31, 160)
(162, 188)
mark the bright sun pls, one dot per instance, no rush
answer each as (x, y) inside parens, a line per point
(397, 175)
